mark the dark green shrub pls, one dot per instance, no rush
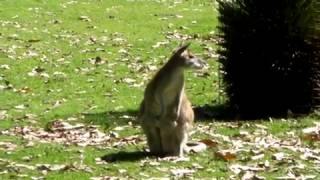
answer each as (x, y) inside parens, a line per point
(267, 56)
(315, 40)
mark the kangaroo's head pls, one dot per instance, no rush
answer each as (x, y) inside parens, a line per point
(187, 59)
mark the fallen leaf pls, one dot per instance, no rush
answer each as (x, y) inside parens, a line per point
(58, 74)
(210, 143)
(29, 144)
(3, 114)
(25, 90)
(260, 126)
(59, 125)
(149, 162)
(159, 44)
(179, 36)
(312, 133)
(7, 146)
(257, 157)
(85, 18)
(38, 71)
(133, 140)
(65, 133)
(104, 178)
(226, 155)
(27, 158)
(237, 168)
(5, 66)
(63, 167)
(249, 175)
(128, 80)
(100, 161)
(24, 166)
(20, 107)
(122, 171)
(34, 40)
(52, 167)
(37, 178)
(279, 156)
(312, 137)
(119, 128)
(180, 173)
(97, 61)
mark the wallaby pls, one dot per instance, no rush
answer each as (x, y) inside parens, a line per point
(166, 114)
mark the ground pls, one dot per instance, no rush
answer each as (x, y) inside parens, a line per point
(72, 75)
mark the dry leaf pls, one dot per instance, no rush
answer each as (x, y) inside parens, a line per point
(25, 90)
(34, 40)
(226, 155)
(85, 18)
(5, 66)
(3, 114)
(249, 175)
(159, 44)
(63, 132)
(104, 178)
(51, 167)
(210, 143)
(175, 159)
(182, 172)
(20, 107)
(100, 161)
(257, 157)
(279, 156)
(312, 133)
(237, 168)
(7, 146)
(122, 171)
(29, 167)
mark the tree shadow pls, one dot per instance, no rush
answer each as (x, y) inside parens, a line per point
(214, 112)
(219, 112)
(223, 112)
(126, 156)
(202, 113)
(111, 118)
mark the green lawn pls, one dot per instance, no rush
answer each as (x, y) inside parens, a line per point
(72, 75)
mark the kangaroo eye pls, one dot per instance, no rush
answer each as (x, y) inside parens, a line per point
(191, 56)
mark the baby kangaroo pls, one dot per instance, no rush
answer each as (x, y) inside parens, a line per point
(166, 114)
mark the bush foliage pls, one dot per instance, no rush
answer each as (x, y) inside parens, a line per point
(268, 61)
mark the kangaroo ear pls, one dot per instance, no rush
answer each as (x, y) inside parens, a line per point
(182, 48)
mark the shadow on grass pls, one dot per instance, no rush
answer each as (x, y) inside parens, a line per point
(226, 113)
(111, 118)
(125, 156)
(202, 113)
(214, 112)
(218, 112)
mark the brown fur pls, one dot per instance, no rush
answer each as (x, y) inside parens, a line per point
(166, 114)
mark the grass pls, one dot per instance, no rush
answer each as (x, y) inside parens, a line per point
(51, 48)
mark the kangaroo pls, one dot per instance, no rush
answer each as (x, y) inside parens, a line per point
(166, 114)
